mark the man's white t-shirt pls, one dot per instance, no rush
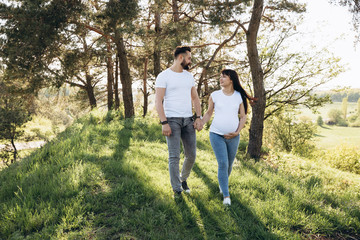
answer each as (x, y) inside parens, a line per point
(226, 109)
(177, 99)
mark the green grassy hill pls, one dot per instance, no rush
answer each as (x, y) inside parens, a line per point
(106, 178)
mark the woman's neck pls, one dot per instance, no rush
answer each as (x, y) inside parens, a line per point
(228, 90)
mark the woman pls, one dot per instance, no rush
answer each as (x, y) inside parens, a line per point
(225, 127)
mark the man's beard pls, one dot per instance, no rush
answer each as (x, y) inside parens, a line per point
(185, 66)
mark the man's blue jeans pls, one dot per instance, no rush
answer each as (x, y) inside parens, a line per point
(225, 152)
(182, 129)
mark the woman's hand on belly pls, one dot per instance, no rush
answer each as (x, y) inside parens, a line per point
(231, 135)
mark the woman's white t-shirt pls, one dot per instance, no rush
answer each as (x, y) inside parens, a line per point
(177, 99)
(226, 118)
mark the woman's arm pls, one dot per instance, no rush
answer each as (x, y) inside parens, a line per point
(241, 123)
(242, 118)
(209, 112)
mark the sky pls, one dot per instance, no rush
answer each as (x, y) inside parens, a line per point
(330, 26)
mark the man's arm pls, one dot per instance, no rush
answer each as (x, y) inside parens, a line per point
(196, 102)
(159, 97)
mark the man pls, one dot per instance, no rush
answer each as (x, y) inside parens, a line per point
(174, 94)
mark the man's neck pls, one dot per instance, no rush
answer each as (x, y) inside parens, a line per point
(177, 68)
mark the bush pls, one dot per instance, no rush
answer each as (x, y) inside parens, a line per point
(335, 116)
(356, 123)
(342, 123)
(320, 121)
(352, 118)
(344, 157)
(287, 135)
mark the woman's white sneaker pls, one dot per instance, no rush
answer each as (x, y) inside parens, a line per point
(227, 201)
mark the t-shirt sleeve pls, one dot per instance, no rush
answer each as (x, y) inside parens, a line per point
(160, 81)
(240, 99)
(193, 80)
(212, 95)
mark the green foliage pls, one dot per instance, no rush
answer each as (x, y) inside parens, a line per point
(320, 121)
(52, 111)
(286, 134)
(13, 115)
(336, 118)
(344, 157)
(31, 38)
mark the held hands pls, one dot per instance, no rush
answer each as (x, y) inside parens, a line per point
(198, 124)
(231, 135)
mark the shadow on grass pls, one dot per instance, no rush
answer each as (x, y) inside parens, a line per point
(248, 226)
(133, 208)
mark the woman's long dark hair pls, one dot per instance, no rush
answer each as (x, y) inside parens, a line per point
(237, 87)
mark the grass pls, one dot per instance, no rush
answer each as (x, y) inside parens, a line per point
(107, 178)
(331, 136)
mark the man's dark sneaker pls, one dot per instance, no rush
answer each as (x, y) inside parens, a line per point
(177, 194)
(185, 187)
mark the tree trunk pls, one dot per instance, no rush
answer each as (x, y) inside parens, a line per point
(125, 77)
(145, 92)
(116, 84)
(175, 8)
(157, 49)
(15, 150)
(176, 16)
(90, 92)
(110, 75)
(257, 121)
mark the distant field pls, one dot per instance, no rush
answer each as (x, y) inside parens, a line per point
(323, 112)
(331, 136)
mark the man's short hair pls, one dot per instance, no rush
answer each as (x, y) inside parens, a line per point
(181, 49)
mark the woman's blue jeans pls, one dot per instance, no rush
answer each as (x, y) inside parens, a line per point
(225, 152)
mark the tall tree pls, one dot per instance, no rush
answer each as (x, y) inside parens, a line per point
(257, 120)
(118, 17)
(14, 114)
(344, 107)
(80, 63)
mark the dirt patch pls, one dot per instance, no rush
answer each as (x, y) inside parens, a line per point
(24, 145)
